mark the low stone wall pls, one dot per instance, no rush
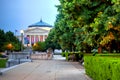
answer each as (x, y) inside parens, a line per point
(41, 56)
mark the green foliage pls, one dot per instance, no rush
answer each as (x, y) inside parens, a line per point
(2, 40)
(39, 46)
(10, 37)
(14, 46)
(7, 38)
(66, 55)
(0, 55)
(78, 55)
(63, 54)
(3, 63)
(102, 68)
(108, 55)
(83, 25)
(51, 42)
(17, 46)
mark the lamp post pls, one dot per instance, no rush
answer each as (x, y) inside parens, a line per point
(21, 39)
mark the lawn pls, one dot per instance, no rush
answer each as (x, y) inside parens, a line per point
(3, 63)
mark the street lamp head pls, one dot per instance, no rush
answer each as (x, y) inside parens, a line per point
(21, 31)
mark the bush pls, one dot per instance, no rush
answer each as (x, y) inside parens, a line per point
(108, 55)
(12, 46)
(66, 55)
(39, 46)
(3, 63)
(63, 54)
(78, 55)
(102, 68)
(0, 55)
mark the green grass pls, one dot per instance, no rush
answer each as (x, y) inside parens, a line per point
(3, 63)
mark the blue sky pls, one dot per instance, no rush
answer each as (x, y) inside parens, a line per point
(19, 14)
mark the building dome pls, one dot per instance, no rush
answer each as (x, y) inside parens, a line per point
(40, 24)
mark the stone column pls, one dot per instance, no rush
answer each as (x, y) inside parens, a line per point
(34, 38)
(39, 37)
(30, 40)
(43, 37)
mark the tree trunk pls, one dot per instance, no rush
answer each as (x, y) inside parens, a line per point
(100, 49)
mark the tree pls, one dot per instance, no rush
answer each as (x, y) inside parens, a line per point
(88, 24)
(8, 38)
(14, 40)
(2, 39)
(39, 46)
(51, 42)
(106, 25)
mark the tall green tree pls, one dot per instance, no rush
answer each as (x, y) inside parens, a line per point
(51, 41)
(105, 25)
(8, 38)
(87, 24)
(2, 39)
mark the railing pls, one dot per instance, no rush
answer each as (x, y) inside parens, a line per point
(18, 57)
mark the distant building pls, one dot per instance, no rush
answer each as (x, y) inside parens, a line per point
(36, 32)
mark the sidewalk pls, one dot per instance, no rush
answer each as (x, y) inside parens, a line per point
(56, 69)
(58, 57)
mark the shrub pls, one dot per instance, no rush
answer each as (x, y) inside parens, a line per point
(63, 54)
(66, 55)
(39, 46)
(12, 46)
(0, 55)
(102, 68)
(109, 55)
(78, 55)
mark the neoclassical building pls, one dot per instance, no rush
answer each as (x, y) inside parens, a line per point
(36, 32)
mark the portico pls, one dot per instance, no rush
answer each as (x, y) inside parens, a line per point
(36, 32)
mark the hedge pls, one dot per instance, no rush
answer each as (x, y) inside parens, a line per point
(65, 54)
(3, 63)
(102, 68)
(108, 55)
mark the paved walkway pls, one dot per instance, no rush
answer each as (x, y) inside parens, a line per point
(56, 69)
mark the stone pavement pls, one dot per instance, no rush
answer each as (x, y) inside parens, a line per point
(56, 69)
(58, 57)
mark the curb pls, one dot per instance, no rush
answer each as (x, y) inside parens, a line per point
(6, 69)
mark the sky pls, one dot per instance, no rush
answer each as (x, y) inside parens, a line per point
(19, 14)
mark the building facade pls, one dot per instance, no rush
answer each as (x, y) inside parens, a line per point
(36, 32)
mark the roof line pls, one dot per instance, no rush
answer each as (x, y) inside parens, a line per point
(40, 24)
